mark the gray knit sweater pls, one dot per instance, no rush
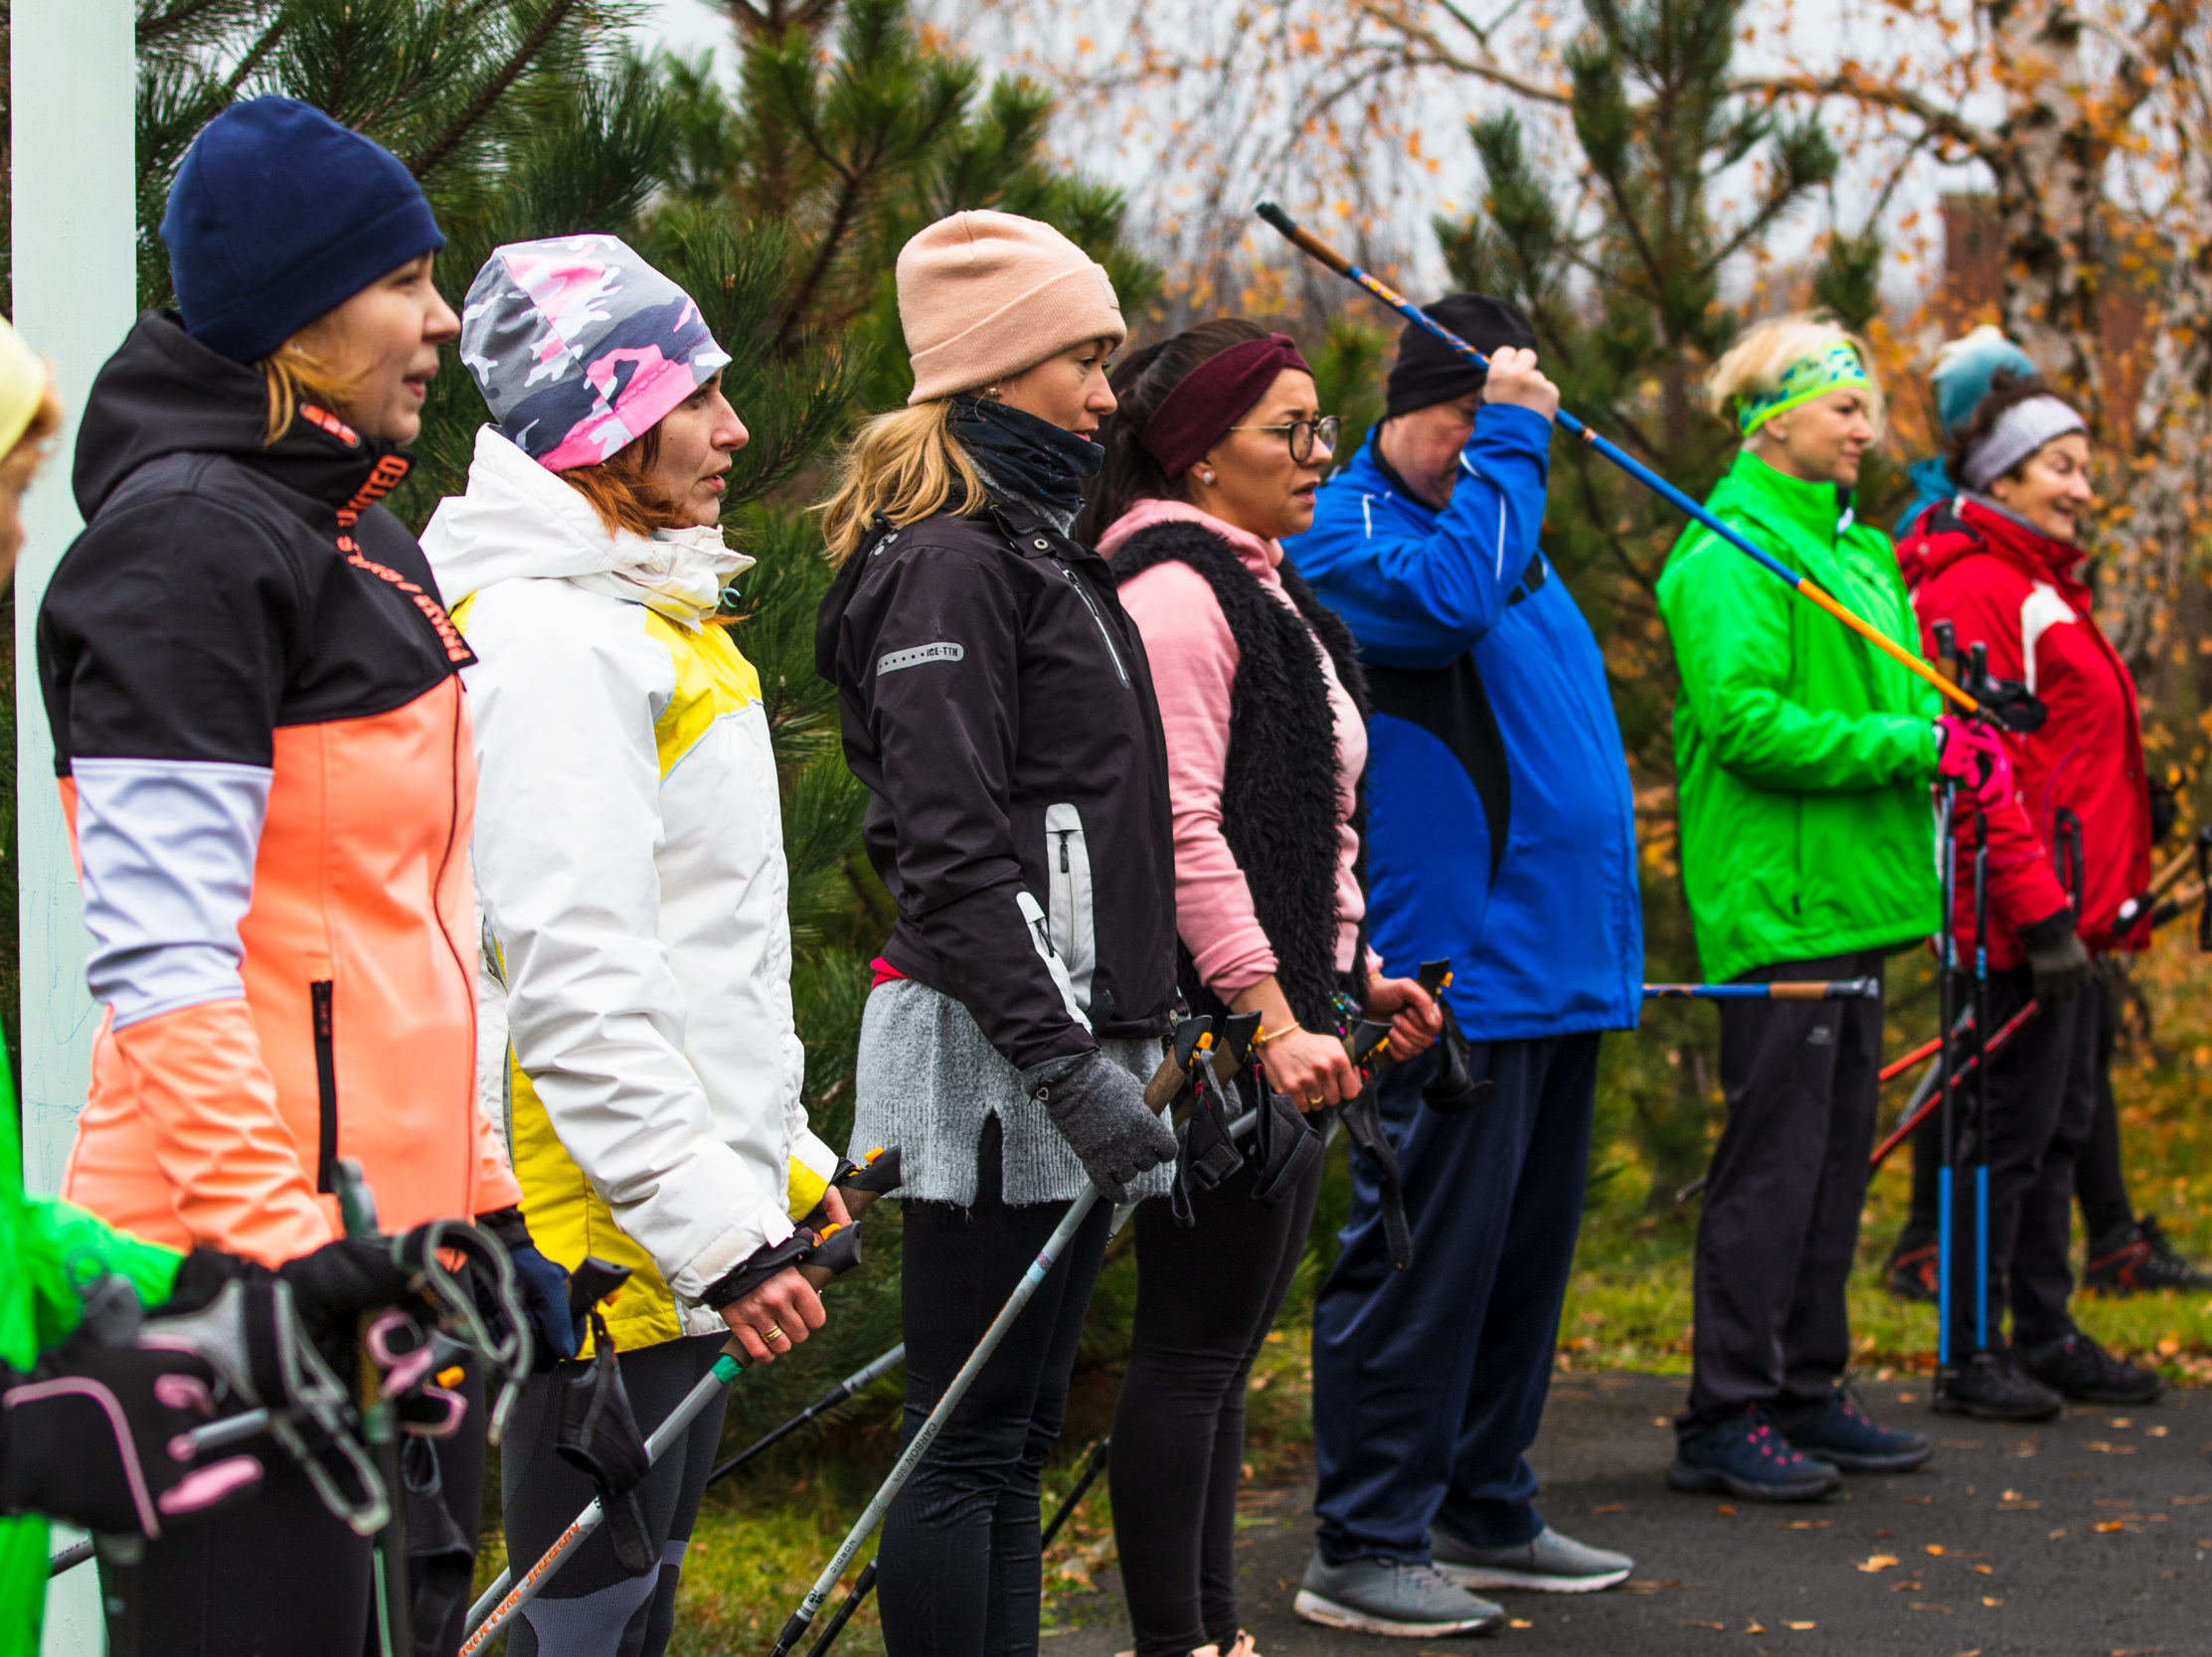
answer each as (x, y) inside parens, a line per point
(927, 1082)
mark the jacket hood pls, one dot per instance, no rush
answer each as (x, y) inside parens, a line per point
(519, 522)
(1972, 523)
(164, 393)
(1260, 556)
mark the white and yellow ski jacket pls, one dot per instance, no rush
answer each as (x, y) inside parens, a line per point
(629, 863)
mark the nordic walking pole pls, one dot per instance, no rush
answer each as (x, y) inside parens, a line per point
(856, 1382)
(1197, 1034)
(1063, 1235)
(711, 1386)
(1095, 1465)
(1924, 1095)
(1982, 1068)
(1834, 989)
(1314, 247)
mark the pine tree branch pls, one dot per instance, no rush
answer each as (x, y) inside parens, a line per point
(503, 79)
(255, 54)
(1982, 143)
(177, 18)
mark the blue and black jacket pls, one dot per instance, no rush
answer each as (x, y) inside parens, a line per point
(1500, 828)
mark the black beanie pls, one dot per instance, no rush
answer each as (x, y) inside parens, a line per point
(279, 214)
(1428, 370)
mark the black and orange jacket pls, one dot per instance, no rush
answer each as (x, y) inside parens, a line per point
(264, 755)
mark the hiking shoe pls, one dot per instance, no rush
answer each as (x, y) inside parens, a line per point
(1393, 1597)
(1744, 1456)
(1548, 1563)
(2133, 1258)
(1993, 1386)
(1850, 1441)
(2080, 1370)
(1912, 1268)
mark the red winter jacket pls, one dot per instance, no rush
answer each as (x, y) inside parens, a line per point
(1998, 582)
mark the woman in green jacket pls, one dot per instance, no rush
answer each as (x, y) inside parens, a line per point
(1804, 758)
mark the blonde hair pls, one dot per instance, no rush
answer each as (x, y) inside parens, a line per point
(906, 465)
(299, 374)
(1767, 351)
(22, 462)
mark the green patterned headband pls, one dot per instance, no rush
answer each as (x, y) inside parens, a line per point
(1832, 369)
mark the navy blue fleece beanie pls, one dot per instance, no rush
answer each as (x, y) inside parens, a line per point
(278, 215)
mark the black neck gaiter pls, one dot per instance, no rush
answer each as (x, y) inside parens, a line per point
(1031, 456)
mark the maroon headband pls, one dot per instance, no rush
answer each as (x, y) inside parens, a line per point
(1212, 397)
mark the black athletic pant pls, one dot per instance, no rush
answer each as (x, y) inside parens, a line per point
(594, 1608)
(1206, 1296)
(961, 1573)
(277, 1577)
(2100, 1184)
(2042, 1094)
(1780, 1219)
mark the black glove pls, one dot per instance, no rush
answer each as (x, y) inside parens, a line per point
(96, 1434)
(2062, 969)
(251, 1333)
(335, 1285)
(545, 1289)
(1100, 1110)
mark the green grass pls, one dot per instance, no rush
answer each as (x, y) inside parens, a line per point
(763, 1536)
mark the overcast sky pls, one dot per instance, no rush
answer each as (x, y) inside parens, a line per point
(688, 26)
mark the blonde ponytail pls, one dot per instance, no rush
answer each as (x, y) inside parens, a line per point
(906, 465)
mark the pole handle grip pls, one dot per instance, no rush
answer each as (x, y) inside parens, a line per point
(1307, 243)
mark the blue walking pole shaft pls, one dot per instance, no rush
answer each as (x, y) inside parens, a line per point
(1945, 995)
(1314, 247)
(1981, 1080)
(1831, 989)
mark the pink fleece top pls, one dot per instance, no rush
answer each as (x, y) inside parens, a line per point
(1194, 667)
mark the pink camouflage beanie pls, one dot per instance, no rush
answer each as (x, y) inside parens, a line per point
(985, 296)
(581, 347)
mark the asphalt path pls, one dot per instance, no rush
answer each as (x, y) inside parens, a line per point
(2089, 1535)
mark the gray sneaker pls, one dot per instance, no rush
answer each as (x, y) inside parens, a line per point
(1549, 1564)
(1389, 1597)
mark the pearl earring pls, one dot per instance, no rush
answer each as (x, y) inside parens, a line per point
(1206, 478)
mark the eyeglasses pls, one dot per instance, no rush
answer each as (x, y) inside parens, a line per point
(1300, 436)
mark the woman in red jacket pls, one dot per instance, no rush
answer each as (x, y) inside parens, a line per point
(2000, 563)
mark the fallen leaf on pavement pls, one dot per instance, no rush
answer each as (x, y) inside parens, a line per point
(1700, 1622)
(1935, 1548)
(1945, 1609)
(2189, 1501)
(1724, 1508)
(1986, 1569)
(2054, 1535)
(2103, 1448)
(1877, 1562)
(1800, 1628)
(1800, 1524)
(1904, 1588)
(1611, 1507)
(2110, 1524)
(1986, 1601)
(2155, 1431)
(1754, 1629)
(1520, 1623)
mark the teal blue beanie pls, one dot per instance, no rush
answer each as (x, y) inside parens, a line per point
(279, 216)
(1965, 368)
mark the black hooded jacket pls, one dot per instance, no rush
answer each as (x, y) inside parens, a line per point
(996, 701)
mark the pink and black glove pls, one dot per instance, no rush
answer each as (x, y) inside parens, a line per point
(1973, 759)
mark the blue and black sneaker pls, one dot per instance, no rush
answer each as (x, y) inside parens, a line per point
(1744, 1456)
(1843, 1436)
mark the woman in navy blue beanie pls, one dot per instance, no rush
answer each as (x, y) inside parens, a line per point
(259, 723)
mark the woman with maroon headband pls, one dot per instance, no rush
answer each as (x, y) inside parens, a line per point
(1212, 458)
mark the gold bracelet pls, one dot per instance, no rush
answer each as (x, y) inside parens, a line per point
(1267, 1036)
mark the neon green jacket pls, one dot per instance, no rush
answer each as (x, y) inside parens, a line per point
(1803, 754)
(48, 1250)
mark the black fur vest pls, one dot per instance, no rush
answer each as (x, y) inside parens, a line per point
(1278, 783)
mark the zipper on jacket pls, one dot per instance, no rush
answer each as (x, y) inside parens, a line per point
(326, 1087)
(1074, 581)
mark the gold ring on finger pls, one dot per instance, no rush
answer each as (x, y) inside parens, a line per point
(773, 1332)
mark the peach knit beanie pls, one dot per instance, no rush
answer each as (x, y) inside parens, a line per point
(985, 296)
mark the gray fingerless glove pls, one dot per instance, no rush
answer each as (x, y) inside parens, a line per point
(2061, 968)
(1098, 1109)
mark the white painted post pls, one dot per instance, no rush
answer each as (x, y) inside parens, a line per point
(73, 79)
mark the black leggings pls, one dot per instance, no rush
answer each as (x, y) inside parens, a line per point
(2100, 1185)
(961, 1572)
(1206, 1295)
(594, 1608)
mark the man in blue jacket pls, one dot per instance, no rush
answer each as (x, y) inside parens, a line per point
(1501, 835)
